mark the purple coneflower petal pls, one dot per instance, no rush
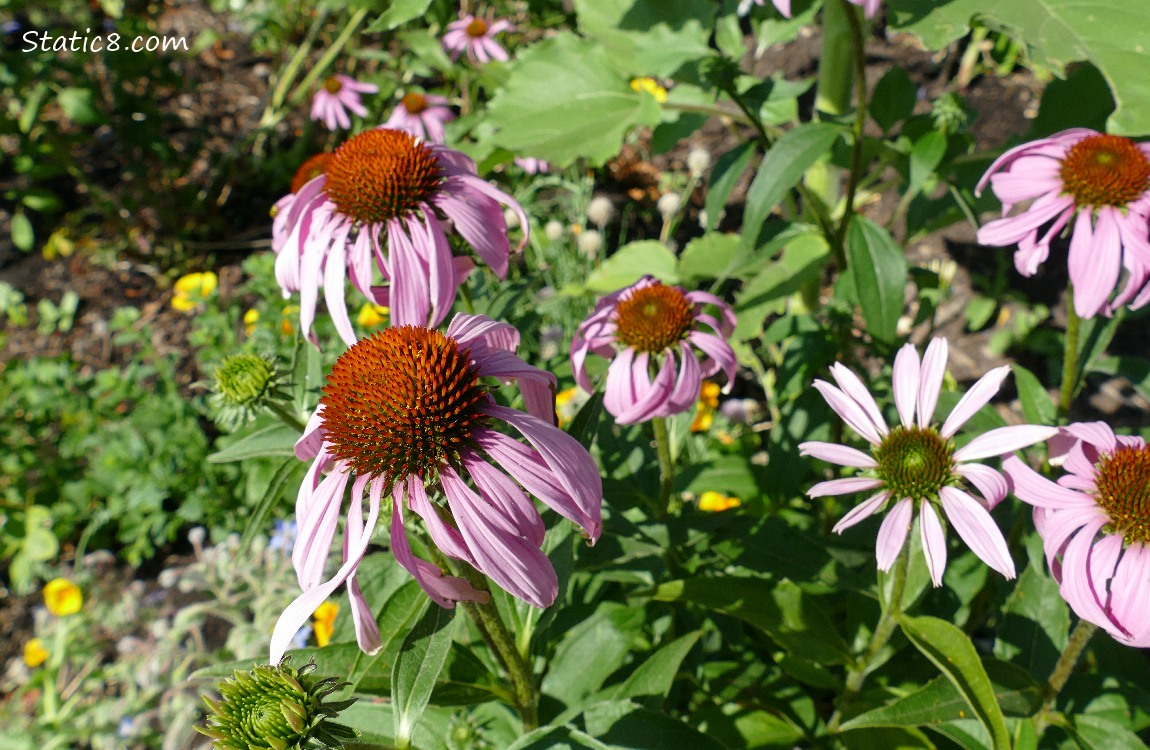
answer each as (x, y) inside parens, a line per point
(974, 524)
(850, 412)
(445, 536)
(930, 380)
(1131, 606)
(904, 381)
(933, 542)
(363, 619)
(1003, 440)
(892, 533)
(977, 397)
(856, 390)
(1095, 260)
(990, 483)
(1039, 491)
(1097, 434)
(719, 353)
(843, 486)
(837, 454)
(506, 497)
(317, 529)
(1077, 588)
(862, 511)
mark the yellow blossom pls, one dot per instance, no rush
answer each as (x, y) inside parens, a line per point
(286, 328)
(651, 86)
(716, 501)
(192, 289)
(34, 653)
(567, 404)
(251, 317)
(372, 316)
(62, 597)
(706, 406)
(323, 622)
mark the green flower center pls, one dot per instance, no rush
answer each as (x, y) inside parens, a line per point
(1123, 491)
(243, 379)
(915, 462)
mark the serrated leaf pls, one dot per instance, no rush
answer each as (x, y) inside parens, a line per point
(562, 100)
(879, 268)
(1114, 37)
(416, 670)
(648, 37)
(632, 262)
(781, 169)
(951, 650)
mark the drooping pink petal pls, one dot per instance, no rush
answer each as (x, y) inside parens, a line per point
(363, 619)
(989, 482)
(317, 529)
(506, 499)
(933, 543)
(445, 536)
(837, 454)
(1003, 440)
(1077, 588)
(1095, 260)
(974, 524)
(892, 533)
(862, 511)
(1039, 491)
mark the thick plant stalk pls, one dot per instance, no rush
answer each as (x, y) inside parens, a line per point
(1079, 638)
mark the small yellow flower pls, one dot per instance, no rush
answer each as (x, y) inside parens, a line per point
(286, 327)
(323, 622)
(714, 502)
(372, 316)
(651, 86)
(34, 653)
(251, 317)
(192, 289)
(62, 597)
(706, 406)
(567, 404)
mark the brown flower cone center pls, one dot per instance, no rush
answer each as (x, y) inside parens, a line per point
(1123, 491)
(914, 462)
(333, 85)
(414, 103)
(477, 28)
(653, 318)
(309, 170)
(1105, 170)
(401, 402)
(382, 174)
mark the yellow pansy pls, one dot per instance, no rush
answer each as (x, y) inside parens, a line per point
(706, 406)
(62, 597)
(323, 622)
(651, 86)
(34, 653)
(192, 289)
(716, 501)
(372, 316)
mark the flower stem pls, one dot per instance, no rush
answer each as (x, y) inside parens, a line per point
(494, 631)
(858, 45)
(1079, 637)
(887, 623)
(1070, 358)
(666, 466)
(291, 420)
(330, 54)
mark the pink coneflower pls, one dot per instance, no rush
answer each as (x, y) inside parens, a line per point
(404, 414)
(915, 466)
(422, 115)
(1102, 183)
(338, 95)
(783, 6)
(531, 165)
(475, 37)
(1095, 527)
(377, 204)
(647, 327)
(313, 167)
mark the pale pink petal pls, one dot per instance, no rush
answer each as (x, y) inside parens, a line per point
(1003, 440)
(506, 499)
(1077, 588)
(853, 387)
(904, 381)
(363, 619)
(843, 486)
(837, 454)
(892, 533)
(850, 411)
(1098, 434)
(974, 524)
(990, 483)
(930, 382)
(445, 536)
(933, 542)
(978, 396)
(1095, 261)
(862, 511)
(317, 529)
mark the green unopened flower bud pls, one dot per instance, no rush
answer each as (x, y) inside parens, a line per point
(275, 708)
(950, 113)
(244, 384)
(720, 71)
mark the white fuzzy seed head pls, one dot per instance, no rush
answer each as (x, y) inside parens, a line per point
(600, 211)
(697, 162)
(590, 243)
(554, 230)
(668, 204)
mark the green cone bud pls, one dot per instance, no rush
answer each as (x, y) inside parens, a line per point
(275, 708)
(720, 71)
(244, 384)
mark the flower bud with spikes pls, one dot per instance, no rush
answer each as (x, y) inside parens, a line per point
(244, 384)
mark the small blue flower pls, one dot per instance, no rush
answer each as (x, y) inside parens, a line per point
(299, 640)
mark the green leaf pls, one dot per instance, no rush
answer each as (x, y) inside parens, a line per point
(558, 738)
(793, 619)
(78, 106)
(623, 725)
(801, 261)
(22, 233)
(1035, 619)
(591, 651)
(781, 169)
(632, 262)
(1095, 335)
(952, 652)
(939, 700)
(648, 37)
(563, 101)
(893, 99)
(276, 439)
(1093, 732)
(1037, 406)
(1082, 100)
(269, 497)
(1056, 32)
(727, 170)
(924, 158)
(654, 676)
(705, 257)
(416, 670)
(1134, 369)
(879, 269)
(400, 12)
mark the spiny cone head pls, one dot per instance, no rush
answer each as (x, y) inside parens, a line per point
(1122, 489)
(915, 462)
(477, 28)
(246, 379)
(414, 102)
(402, 402)
(382, 174)
(309, 170)
(1105, 170)
(653, 318)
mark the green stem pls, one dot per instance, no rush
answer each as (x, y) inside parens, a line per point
(332, 52)
(887, 623)
(291, 420)
(1079, 637)
(291, 70)
(1070, 358)
(494, 631)
(666, 466)
(858, 45)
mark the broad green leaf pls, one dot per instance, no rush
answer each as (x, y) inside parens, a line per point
(1037, 406)
(399, 12)
(1081, 100)
(1094, 732)
(648, 37)
(939, 701)
(268, 498)
(416, 670)
(737, 726)
(878, 265)
(781, 169)
(1134, 369)
(654, 676)
(307, 377)
(794, 620)
(1095, 335)
(276, 439)
(591, 651)
(952, 652)
(623, 725)
(1114, 37)
(78, 106)
(558, 738)
(562, 101)
(373, 720)
(801, 261)
(22, 233)
(632, 262)
(727, 170)
(924, 158)
(1035, 620)
(893, 99)
(705, 257)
